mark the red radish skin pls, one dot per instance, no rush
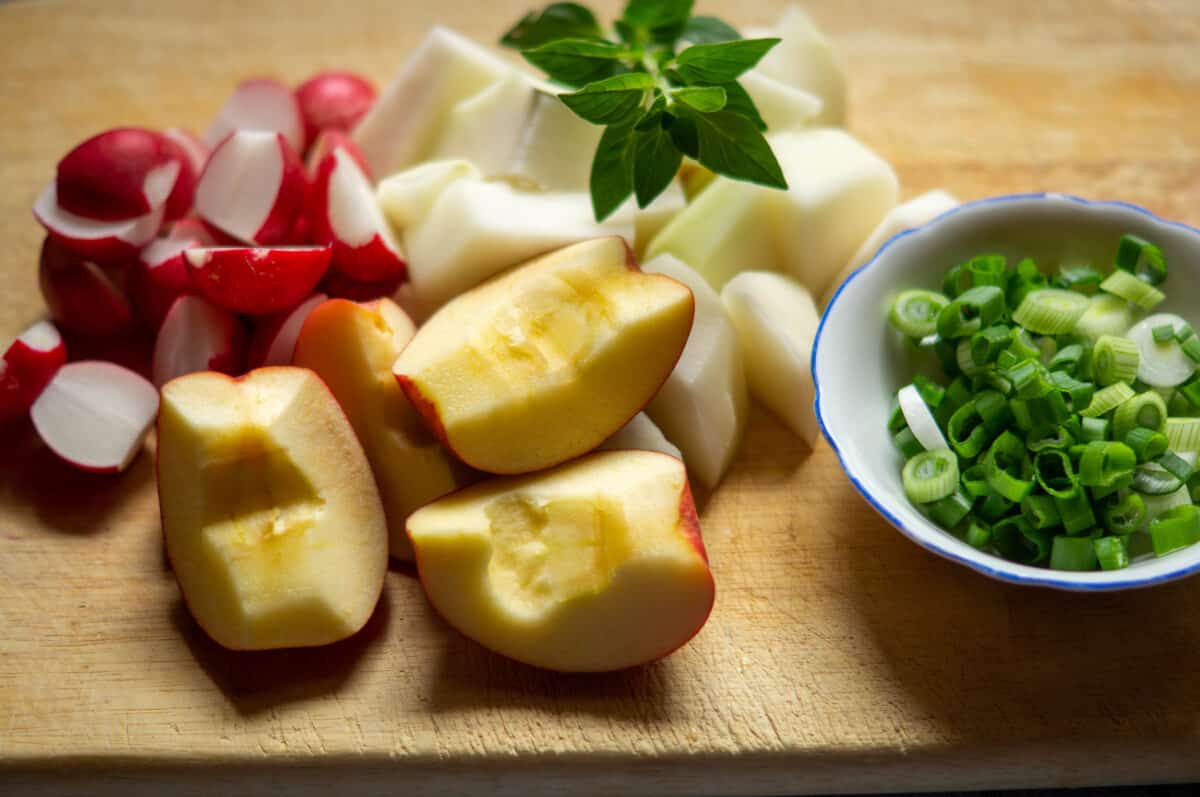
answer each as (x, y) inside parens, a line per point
(257, 280)
(107, 242)
(95, 415)
(252, 188)
(339, 286)
(28, 365)
(197, 335)
(333, 101)
(192, 154)
(191, 228)
(343, 211)
(118, 175)
(274, 339)
(82, 296)
(329, 140)
(160, 276)
(262, 104)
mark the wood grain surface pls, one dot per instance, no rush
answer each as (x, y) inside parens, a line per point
(840, 657)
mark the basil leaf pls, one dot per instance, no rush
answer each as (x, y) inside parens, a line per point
(738, 101)
(731, 145)
(720, 62)
(706, 30)
(705, 99)
(655, 163)
(577, 62)
(654, 116)
(556, 21)
(661, 20)
(612, 100)
(612, 170)
(684, 135)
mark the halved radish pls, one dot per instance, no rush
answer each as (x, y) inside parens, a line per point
(261, 104)
(191, 228)
(252, 187)
(333, 101)
(195, 336)
(339, 286)
(192, 155)
(274, 340)
(329, 140)
(103, 241)
(343, 211)
(28, 365)
(160, 276)
(95, 415)
(118, 175)
(81, 295)
(257, 280)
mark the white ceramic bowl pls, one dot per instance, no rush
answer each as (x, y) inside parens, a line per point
(859, 363)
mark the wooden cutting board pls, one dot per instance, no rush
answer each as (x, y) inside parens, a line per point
(840, 657)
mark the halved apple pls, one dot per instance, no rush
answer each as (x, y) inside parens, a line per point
(352, 348)
(596, 565)
(544, 362)
(272, 521)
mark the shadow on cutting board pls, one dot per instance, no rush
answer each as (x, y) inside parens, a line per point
(257, 681)
(996, 662)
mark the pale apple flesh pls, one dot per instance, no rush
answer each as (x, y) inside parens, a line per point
(596, 565)
(272, 521)
(546, 361)
(352, 347)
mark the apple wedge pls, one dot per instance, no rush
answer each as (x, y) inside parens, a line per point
(776, 323)
(257, 280)
(274, 338)
(343, 212)
(252, 188)
(640, 434)
(537, 366)
(28, 365)
(272, 521)
(703, 405)
(260, 105)
(81, 295)
(593, 566)
(352, 348)
(196, 335)
(95, 415)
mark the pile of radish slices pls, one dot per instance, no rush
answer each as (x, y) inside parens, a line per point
(215, 247)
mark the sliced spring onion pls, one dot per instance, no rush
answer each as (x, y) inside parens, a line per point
(1124, 514)
(1041, 512)
(1051, 312)
(1102, 464)
(1191, 391)
(1112, 553)
(1164, 333)
(1185, 332)
(896, 420)
(1146, 410)
(1055, 474)
(1133, 290)
(1030, 379)
(1081, 279)
(1107, 400)
(1049, 440)
(1076, 513)
(1106, 315)
(930, 391)
(1147, 443)
(1023, 280)
(1157, 505)
(1177, 528)
(1078, 394)
(1183, 434)
(1004, 464)
(950, 511)
(930, 476)
(1067, 358)
(1023, 347)
(988, 270)
(974, 481)
(907, 443)
(1115, 360)
(1142, 258)
(1073, 553)
(1093, 429)
(919, 418)
(970, 312)
(1016, 540)
(1040, 414)
(995, 507)
(1161, 364)
(958, 393)
(987, 344)
(915, 312)
(978, 536)
(1153, 479)
(1175, 464)
(1191, 347)
(966, 360)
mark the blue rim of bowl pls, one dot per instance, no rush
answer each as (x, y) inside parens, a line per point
(933, 545)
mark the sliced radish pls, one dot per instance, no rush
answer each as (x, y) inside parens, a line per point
(262, 104)
(192, 154)
(343, 211)
(82, 296)
(191, 228)
(329, 140)
(339, 286)
(274, 340)
(1161, 364)
(103, 241)
(196, 336)
(95, 415)
(28, 365)
(118, 175)
(160, 276)
(300, 234)
(252, 188)
(257, 280)
(333, 101)
(920, 420)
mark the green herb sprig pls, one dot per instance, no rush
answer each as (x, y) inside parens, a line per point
(663, 86)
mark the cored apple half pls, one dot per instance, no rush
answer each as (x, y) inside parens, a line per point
(596, 565)
(273, 524)
(546, 361)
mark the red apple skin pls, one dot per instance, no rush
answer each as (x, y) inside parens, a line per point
(102, 178)
(258, 280)
(426, 409)
(24, 373)
(82, 297)
(333, 100)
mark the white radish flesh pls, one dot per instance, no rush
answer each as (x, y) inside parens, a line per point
(260, 105)
(1161, 364)
(252, 188)
(920, 420)
(274, 341)
(105, 241)
(195, 336)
